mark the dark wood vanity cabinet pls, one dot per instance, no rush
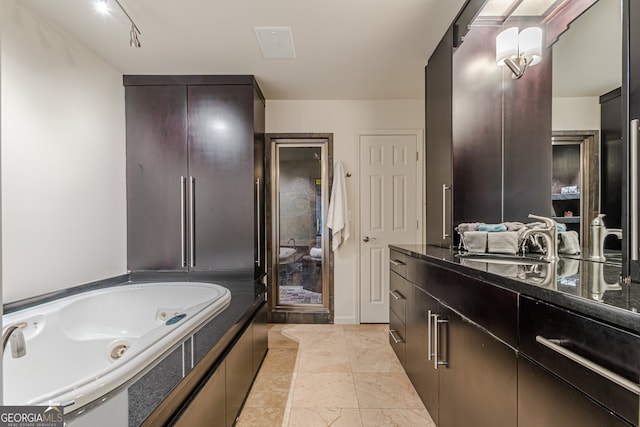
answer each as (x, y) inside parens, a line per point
(452, 355)
(195, 187)
(546, 400)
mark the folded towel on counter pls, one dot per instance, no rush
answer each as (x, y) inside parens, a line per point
(475, 241)
(315, 252)
(568, 243)
(468, 226)
(513, 226)
(503, 243)
(492, 228)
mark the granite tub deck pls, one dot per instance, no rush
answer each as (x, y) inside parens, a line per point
(572, 286)
(158, 393)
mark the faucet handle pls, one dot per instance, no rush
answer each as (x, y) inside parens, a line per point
(549, 222)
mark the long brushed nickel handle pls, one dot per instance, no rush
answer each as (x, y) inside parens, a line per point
(183, 207)
(592, 366)
(429, 353)
(445, 188)
(192, 226)
(633, 142)
(258, 220)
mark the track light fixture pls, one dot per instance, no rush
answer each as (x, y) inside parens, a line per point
(103, 7)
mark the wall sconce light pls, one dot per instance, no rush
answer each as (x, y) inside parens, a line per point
(519, 50)
(103, 7)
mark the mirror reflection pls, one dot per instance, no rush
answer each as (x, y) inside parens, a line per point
(582, 44)
(586, 124)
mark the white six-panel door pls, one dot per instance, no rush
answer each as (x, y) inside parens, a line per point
(389, 213)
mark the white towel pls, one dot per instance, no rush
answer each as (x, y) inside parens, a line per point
(338, 216)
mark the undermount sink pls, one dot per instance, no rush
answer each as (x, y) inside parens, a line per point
(501, 259)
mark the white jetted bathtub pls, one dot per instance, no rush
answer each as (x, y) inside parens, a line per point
(81, 347)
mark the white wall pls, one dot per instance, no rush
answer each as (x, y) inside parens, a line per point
(575, 113)
(343, 119)
(63, 159)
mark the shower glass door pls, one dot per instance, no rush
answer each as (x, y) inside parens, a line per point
(300, 236)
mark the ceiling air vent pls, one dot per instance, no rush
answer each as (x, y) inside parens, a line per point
(275, 42)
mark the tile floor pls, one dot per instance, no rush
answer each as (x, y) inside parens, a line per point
(332, 375)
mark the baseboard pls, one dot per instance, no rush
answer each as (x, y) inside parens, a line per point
(344, 320)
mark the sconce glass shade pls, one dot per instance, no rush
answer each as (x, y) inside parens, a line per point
(530, 44)
(507, 45)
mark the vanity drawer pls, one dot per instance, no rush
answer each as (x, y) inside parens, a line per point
(397, 336)
(398, 292)
(398, 262)
(600, 360)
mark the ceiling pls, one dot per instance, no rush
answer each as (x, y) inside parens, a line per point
(345, 49)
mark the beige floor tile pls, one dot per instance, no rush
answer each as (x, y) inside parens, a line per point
(323, 417)
(280, 338)
(328, 390)
(260, 417)
(280, 360)
(373, 339)
(270, 390)
(335, 360)
(396, 418)
(323, 341)
(374, 359)
(386, 390)
(366, 327)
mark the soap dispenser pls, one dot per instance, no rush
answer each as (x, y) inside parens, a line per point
(597, 234)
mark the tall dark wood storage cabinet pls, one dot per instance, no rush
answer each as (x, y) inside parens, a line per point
(195, 176)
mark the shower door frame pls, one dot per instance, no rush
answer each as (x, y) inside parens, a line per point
(325, 309)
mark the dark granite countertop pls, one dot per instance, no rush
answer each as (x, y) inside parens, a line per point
(586, 287)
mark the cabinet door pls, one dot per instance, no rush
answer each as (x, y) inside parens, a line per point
(439, 142)
(260, 338)
(545, 400)
(207, 409)
(156, 118)
(478, 385)
(239, 371)
(418, 363)
(221, 149)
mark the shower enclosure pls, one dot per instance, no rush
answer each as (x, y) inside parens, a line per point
(299, 201)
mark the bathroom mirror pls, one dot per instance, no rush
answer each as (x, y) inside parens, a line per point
(582, 45)
(587, 123)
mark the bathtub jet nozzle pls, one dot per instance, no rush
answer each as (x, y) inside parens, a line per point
(13, 335)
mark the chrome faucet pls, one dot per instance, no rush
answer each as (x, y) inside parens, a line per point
(294, 242)
(13, 334)
(549, 233)
(599, 232)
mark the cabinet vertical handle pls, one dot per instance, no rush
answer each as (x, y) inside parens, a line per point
(436, 341)
(192, 211)
(445, 187)
(258, 220)
(633, 142)
(429, 354)
(183, 225)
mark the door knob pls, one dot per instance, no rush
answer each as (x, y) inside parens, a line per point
(366, 239)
